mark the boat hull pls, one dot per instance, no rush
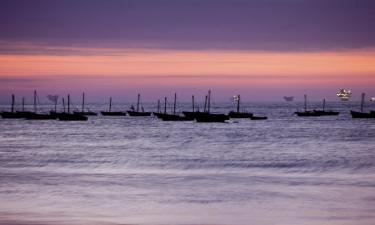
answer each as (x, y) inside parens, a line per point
(361, 115)
(326, 113)
(239, 115)
(208, 118)
(259, 118)
(307, 114)
(71, 117)
(170, 117)
(134, 113)
(113, 113)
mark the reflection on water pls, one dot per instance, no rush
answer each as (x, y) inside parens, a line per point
(285, 170)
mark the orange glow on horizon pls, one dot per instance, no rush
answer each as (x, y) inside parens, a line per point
(186, 67)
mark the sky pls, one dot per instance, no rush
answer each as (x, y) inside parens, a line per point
(261, 49)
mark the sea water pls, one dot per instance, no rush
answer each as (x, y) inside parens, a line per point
(128, 170)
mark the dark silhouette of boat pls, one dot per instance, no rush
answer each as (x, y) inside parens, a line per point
(83, 112)
(307, 113)
(158, 110)
(207, 117)
(110, 113)
(258, 117)
(361, 114)
(237, 113)
(174, 116)
(24, 113)
(194, 113)
(67, 116)
(35, 115)
(326, 113)
(12, 114)
(136, 112)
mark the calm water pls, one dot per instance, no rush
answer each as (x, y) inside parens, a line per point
(285, 170)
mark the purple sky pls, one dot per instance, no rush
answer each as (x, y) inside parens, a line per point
(260, 24)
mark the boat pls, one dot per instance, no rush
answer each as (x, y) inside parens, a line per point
(67, 116)
(207, 117)
(238, 114)
(307, 113)
(83, 112)
(12, 114)
(110, 113)
(134, 112)
(174, 116)
(344, 95)
(23, 113)
(361, 114)
(193, 114)
(35, 115)
(288, 98)
(326, 113)
(259, 118)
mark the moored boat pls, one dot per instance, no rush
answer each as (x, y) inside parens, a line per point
(307, 113)
(361, 114)
(83, 112)
(136, 112)
(112, 113)
(207, 117)
(237, 113)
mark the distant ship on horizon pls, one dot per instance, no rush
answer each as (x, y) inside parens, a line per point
(288, 98)
(344, 95)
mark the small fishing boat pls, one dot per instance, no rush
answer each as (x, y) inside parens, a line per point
(83, 112)
(361, 114)
(174, 116)
(259, 118)
(35, 115)
(12, 114)
(238, 114)
(307, 113)
(207, 117)
(194, 113)
(70, 116)
(24, 113)
(136, 112)
(326, 113)
(110, 113)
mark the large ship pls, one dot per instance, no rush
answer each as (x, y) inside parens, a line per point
(344, 95)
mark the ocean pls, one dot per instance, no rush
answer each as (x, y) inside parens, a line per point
(124, 170)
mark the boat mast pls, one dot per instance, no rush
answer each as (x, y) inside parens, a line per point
(305, 103)
(192, 99)
(324, 104)
(35, 109)
(23, 104)
(63, 100)
(139, 96)
(110, 104)
(238, 103)
(83, 101)
(68, 103)
(12, 103)
(209, 101)
(174, 104)
(205, 104)
(158, 105)
(56, 105)
(165, 105)
(362, 101)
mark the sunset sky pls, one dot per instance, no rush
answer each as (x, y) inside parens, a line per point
(261, 49)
